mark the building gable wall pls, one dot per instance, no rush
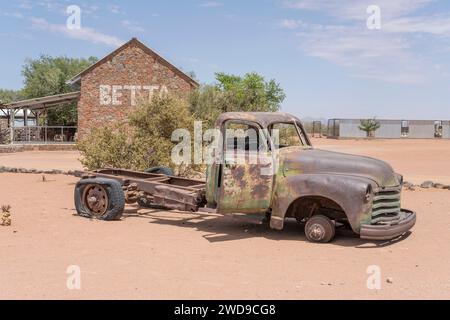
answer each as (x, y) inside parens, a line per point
(111, 90)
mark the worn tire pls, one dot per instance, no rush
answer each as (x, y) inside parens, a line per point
(320, 229)
(161, 170)
(115, 195)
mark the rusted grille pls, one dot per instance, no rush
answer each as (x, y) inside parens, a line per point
(386, 206)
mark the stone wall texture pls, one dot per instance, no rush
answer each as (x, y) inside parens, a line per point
(131, 67)
(3, 123)
(4, 131)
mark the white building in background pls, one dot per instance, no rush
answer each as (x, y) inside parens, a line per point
(391, 129)
(19, 120)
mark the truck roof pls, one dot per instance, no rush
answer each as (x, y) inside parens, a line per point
(263, 118)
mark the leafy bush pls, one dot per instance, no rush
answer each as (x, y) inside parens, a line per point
(142, 143)
(153, 124)
(107, 147)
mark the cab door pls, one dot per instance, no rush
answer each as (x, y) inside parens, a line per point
(246, 178)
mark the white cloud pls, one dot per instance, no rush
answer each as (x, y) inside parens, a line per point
(290, 24)
(356, 9)
(90, 10)
(436, 25)
(87, 34)
(364, 53)
(60, 7)
(25, 4)
(48, 5)
(133, 27)
(211, 4)
(16, 14)
(115, 9)
(396, 53)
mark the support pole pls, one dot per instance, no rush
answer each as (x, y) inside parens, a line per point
(12, 119)
(38, 129)
(25, 124)
(25, 117)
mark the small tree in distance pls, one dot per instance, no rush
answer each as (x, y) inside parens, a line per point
(369, 126)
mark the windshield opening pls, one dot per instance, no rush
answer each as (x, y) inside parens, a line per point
(288, 135)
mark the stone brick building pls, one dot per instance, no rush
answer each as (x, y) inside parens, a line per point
(111, 88)
(3, 123)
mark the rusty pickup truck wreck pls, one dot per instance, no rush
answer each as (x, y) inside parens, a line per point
(289, 179)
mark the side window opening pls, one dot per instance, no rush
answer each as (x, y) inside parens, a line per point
(244, 137)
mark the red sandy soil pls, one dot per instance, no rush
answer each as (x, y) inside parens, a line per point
(168, 255)
(42, 160)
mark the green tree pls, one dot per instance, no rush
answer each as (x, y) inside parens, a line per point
(251, 92)
(207, 103)
(7, 96)
(369, 126)
(235, 93)
(48, 76)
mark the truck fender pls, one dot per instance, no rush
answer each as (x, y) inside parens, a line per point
(349, 192)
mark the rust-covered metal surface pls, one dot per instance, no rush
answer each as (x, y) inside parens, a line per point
(342, 178)
(168, 192)
(351, 182)
(247, 187)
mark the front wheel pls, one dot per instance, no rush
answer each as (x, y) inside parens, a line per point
(320, 229)
(99, 198)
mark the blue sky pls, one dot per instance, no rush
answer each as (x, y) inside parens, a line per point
(321, 51)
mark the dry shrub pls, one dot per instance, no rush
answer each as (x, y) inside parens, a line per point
(107, 147)
(6, 216)
(153, 124)
(144, 142)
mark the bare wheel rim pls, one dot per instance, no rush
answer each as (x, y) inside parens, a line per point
(316, 232)
(96, 199)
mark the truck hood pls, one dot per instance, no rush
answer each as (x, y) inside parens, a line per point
(314, 161)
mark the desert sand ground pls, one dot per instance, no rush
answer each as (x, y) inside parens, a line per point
(42, 160)
(168, 255)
